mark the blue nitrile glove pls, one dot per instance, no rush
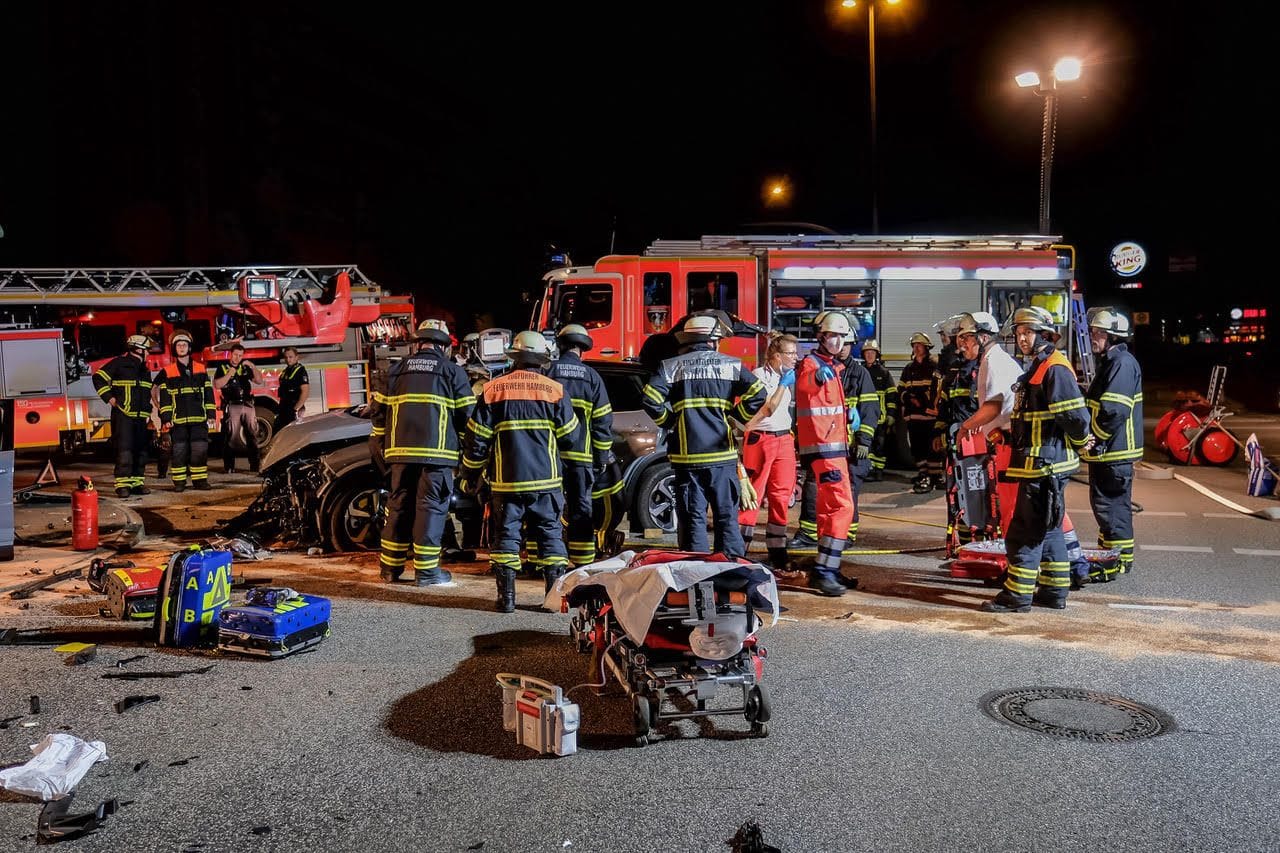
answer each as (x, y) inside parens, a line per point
(825, 373)
(788, 379)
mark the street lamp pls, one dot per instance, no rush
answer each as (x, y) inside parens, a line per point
(1065, 70)
(871, 52)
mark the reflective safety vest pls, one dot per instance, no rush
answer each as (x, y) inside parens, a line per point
(521, 424)
(1115, 407)
(1049, 420)
(126, 379)
(186, 394)
(822, 418)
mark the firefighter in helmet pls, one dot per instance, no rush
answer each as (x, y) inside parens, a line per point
(522, 423)
(592, 452)
(417, 427)
(124, 384)
(1049, 423)
(957, 401)
(918, 391)
(186, 413)
(692, 396)
(823, 418)
(887, 391)
(1115, 407)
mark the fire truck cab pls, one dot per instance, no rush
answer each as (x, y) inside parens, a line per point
(890, 286)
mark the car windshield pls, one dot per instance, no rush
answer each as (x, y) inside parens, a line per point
(624, 389)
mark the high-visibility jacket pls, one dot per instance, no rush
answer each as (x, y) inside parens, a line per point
(822, 413)
(882, 379)
(127, 379)
(186, 394)
(422, 414)
(1115, 407)
(1049, 420)
(521, 424)
(918, 390)
(590, 401)
(692, 396)
(860, 395)
(957, 395)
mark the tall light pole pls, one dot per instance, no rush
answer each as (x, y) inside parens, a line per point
(1065, 70)
(871, 55)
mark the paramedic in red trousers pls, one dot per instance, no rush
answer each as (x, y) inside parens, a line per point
(917, 391)
(418, 422)
(523, 421)
(186, 413)
(1115, 407)
(124, 384)
(822, 428)
(691, 397)
(592, 451)
(882, 379)
(1049, 423)
(769, 450)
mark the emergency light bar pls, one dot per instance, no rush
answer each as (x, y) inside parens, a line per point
(824, 272)
(1017, 273)
(923, 274)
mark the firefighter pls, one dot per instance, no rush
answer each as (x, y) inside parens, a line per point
(592, 452)
(769, 451)
(822, 427)
(293, 392)
(186, 414)
(918, 390)
(882, 379)
(1049, 422)
(691, 396)
(522, 422)
(236, 379)
(957, 401)
(124, 384)
(976, 335)
(417, 424)
(1115, 405)
(949, 356)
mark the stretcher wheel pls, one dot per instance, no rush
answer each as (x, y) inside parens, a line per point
(758, 710)
(641, 716)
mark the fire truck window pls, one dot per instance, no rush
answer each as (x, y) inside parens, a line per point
(709, 290)
(590, 305)
(154, 331)
(624, 390)
(200, 335)
(101, 341)
(657, 301)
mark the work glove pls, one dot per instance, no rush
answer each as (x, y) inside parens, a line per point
(863, 451)
(469, 482)
(824, 374)
(888, 421)
(788, 379)
(747, 497)
(603, 461)
(939, 444)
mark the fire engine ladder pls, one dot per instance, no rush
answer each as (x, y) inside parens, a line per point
(159, 286)
(745, 244)
(1080, 328)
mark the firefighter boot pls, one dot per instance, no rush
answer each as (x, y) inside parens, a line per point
(1000, 604)
(921, 484)
(122, 492)
(802, 542)
(826, 583)
(433, 577)
(778, 559)
(201, 485)
(180, 486)
(140, 490)
(506, 602)
(874, 476)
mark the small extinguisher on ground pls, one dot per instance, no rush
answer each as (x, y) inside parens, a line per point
(84, 516)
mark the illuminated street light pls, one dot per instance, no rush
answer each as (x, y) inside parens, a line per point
(871, 51)
(1064, 70)
(776, 191)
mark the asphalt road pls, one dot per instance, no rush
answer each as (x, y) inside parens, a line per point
(388, 736)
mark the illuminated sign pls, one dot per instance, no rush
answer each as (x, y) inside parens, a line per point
(1128, 259)
(1131, 285)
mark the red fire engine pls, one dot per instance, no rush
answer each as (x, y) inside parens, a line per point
(337, 318)
(890, 286)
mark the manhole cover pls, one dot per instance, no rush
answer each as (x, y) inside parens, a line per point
(1066, 712)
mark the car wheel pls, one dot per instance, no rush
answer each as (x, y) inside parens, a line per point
(355, 515)
(266, 421)
(654, 504)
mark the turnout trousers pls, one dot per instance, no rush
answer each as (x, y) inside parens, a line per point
(770, 460)
(1035, 547)
(538, 514)
(416, 512)
(713, 487)
(190, 452)
(578, 481)
(1111, 496)
(131, 440)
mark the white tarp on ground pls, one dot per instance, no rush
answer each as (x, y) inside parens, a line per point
(636, 591)
(60, 762)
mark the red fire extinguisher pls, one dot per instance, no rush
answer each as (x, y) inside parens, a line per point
(84, 516)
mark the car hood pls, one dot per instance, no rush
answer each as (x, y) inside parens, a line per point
(297, 436)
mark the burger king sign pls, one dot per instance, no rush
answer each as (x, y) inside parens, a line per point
(1128, 259)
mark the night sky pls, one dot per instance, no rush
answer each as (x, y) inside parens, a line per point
(443, 149)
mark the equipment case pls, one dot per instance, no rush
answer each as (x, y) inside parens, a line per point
(274, 623)
(195, 587)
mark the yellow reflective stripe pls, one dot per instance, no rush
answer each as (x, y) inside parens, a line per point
(868, 430)
(701, 403)
(526, 486)
(653, 395)
(479, 429)
(379, 431)
(868, 398)
(473, 464)
(918, 383)
(447, 402)
(1116, 455)
(695, 458)
(601, 411)
(1067, 405)
(1112, 397)
(569, 427)
(422, 452)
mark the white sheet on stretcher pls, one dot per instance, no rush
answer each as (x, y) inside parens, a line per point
(637, 591)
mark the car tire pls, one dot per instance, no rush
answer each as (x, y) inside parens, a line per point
(266, 418)
(654, 502)
(354, 515)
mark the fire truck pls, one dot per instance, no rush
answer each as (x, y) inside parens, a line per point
(890, 286)
(341, 323)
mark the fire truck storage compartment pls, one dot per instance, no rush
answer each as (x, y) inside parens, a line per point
(32, 366)
(907, 307)
(795, 302)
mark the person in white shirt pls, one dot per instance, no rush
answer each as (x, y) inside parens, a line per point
(768, 448)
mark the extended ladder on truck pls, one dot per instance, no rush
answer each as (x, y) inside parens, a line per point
(1084, 350)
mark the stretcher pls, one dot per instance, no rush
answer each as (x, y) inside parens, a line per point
(676, 630)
